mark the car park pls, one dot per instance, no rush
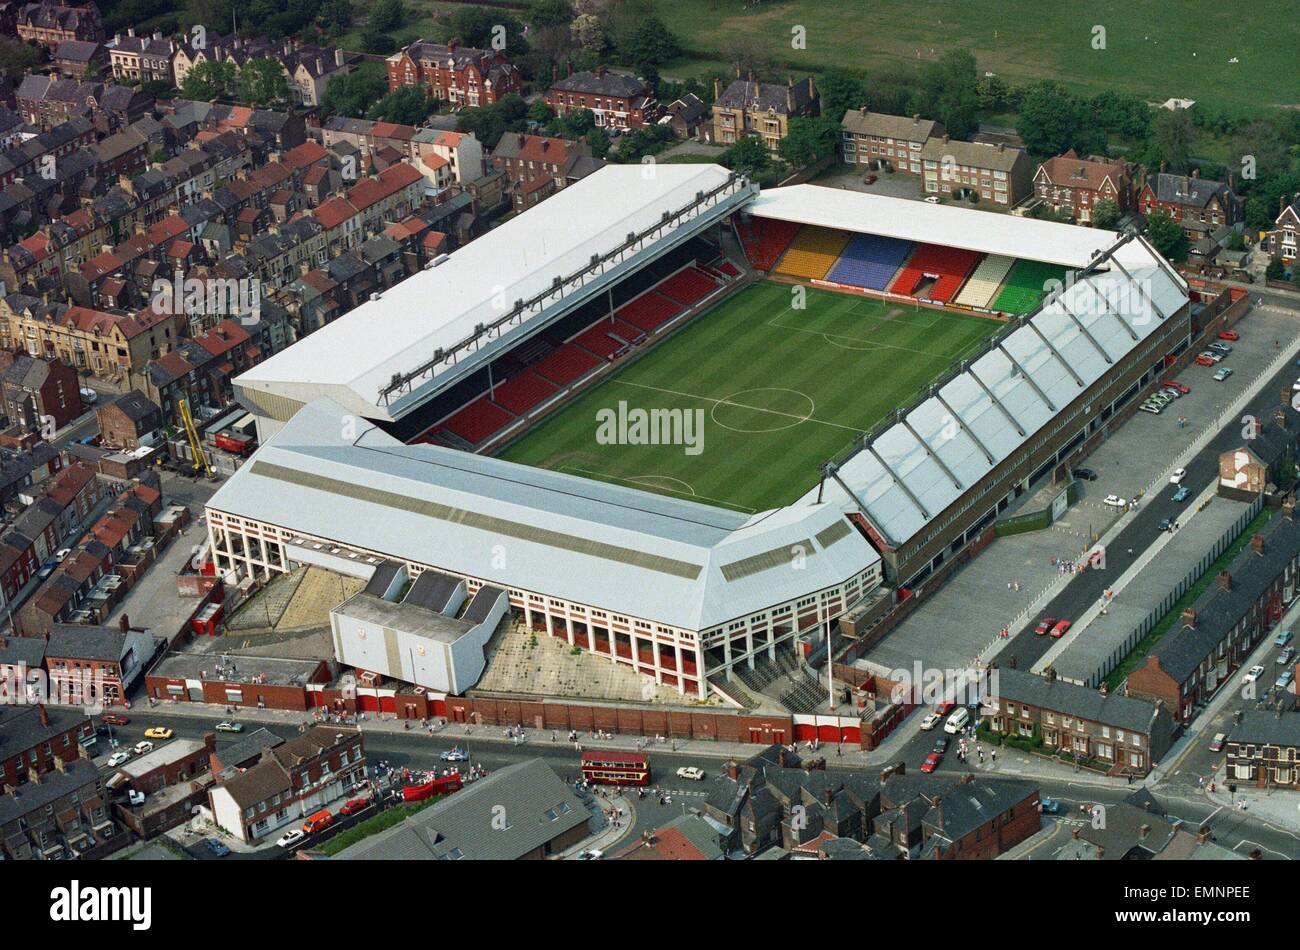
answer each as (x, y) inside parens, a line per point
(142, 748)
(691, 773)
(290, 838)
(1253, 674)
(1282, 639)
(1283, 681)
(1182, 493)
(228, 726)
(118, 758)
(931, 762)
(1216, 744)
(1221, 374)
(1229, 335)
(1086, 474)
(158, 732)
(930, 721)
(1286, 656)
(1047, 623)
(216, 847)
(1114, 501)
(1062, 628)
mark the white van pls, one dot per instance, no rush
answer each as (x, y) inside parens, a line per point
(957, 721)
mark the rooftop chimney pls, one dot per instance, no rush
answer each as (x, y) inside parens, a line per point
(43, 713)
(1288, 507)
(830, 795)
(1225, 580)
(1189, 617)
(1196, 173)
(1049, 674)
(733, 771)
(600, 70)
(1144, 831)
(1257, 544)
(125, 623)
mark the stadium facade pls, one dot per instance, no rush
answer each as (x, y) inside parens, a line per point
(681, 591)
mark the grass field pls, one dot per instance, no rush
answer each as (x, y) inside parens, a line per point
(779, 391)
(1150, 49)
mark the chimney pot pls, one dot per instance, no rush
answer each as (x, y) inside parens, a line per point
(43, 713)
(1257, 544)
(1189, 617)
(1225, 580)
(733, 771)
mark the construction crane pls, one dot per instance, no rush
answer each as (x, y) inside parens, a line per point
(200, 458)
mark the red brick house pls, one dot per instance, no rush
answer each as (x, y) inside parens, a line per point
(1201, 206)
(50, 23)
(32, 737)
(1281, 240)
(459, 75)
(40, 393)
(618, 101)
(1074, 185)
(110, 658)
(536, 166)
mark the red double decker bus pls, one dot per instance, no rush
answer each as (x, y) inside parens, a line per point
(615, 768)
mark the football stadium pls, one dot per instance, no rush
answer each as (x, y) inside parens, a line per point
(686, 425)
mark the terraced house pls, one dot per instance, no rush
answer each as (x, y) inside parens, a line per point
(1264, 749)
(877, 140)
(957, 169)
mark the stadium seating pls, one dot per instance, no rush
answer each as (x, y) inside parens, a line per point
(812, 252)
(1026, 285)
(985, 281)
(598, 341)
(687, 286)
(728, 269)
(949, 265)
(649, 311)
(477, 421)
(870, 261)
(522, 393)
(564, 365)
(764, 239)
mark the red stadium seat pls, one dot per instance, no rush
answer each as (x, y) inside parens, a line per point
(948, 265)
(522, 393)
(566, 364)
(477, 421)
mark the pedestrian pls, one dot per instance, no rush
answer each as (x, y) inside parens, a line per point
(1200, 781)
(994, 754)
(981, 758)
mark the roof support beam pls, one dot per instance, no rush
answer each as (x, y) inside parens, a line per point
(965, 428)
(833, 471)
(899, 482)
(1055, 352)
(929, 451)
(1138, 287)
(1084, 330)
(1111, 310)
(1029, 379)
(994, 399)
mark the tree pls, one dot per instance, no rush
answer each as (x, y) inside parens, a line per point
(746, 55)
(809, 140)
(489, 123)
(544, 13)
(651, 45)
(1167, 235)
(407, 105)
(210, 79)
(1049, 118)
(992, 93)
(376, 41)
(540, 112)
(262, 82)
(336, 16)
(749, 156)
(1121, 113)
(1276, 270)
(589, 33)
(481, 27)
(387, 15)
(353, 94)
(1171, 139)
(598, 139)
(840, 92)
(1105, 214)
(17, 57)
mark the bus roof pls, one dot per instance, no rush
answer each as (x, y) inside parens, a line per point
(613, 757)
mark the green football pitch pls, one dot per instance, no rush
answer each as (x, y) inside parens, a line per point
(778, 388)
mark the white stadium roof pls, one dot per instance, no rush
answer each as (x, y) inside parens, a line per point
(949, 225)
(618, 549)
(353, 358)
(1054, 362)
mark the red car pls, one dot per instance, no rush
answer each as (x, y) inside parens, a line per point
(1061, 628)
(354, 805)
(943, 709)
(1204, 361)
(1229, 335)
(871, 180)
(931, 762)
(1175, 384)
(1044, 625)
(114, 719)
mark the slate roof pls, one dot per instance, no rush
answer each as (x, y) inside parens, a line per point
(1186, 190)
(618, 85)
(764, 96)
(54, 785)
(1266, 727)
(1124, 712)
(897, 127)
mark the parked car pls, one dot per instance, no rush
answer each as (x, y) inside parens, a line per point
(216, 847)
(1151, 408)
(932, 199)
(592, 854)
(1207, 359)
(1217, 347)
(1175, 384)
(1177, 477)
(1182, 493)
(1286, 656)
(135, 797)
(353, 806)
(1047, 623)
(1222, 373)
(1216, 744)
(1049, 806)
(1165, 525)
(930, 721)
(118, 758)
(1114, 501)
(290, 838)
(228, 726)
(1282, 639)
(1253, 674)
(1062, 628)
(454, 754)
(869, 179)
(691, 772)
(158, 732)
(114, 719)
(1283, 681)
(89, 396)
(1087, 474)
(1229, 335)
(931, 762)
(944, 709)
(1171, 391)
(940, 743)
(142, 748)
